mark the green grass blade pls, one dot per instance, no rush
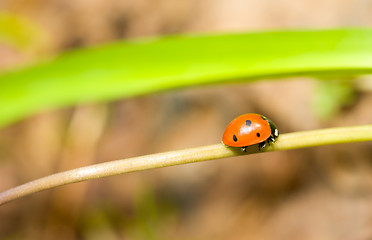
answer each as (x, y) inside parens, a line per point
(138, 67)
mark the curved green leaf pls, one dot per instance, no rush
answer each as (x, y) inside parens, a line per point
(131, 68)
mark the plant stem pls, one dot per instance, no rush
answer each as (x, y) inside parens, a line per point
(284, 142)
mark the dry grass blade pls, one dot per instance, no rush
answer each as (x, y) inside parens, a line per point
(204, 153)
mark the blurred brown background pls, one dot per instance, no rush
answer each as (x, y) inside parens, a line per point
(316, 193)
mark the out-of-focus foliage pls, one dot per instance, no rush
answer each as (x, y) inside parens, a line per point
(330, 96)
(139, 67)
(21, 33)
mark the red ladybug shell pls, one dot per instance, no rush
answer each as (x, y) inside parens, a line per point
(246, 130)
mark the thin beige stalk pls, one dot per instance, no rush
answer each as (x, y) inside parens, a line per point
(285, 142)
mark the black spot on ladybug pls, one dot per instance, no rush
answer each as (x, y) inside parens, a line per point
(258, 134)
(234, 138)
(248, 123)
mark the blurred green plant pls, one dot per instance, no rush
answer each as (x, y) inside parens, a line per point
(137, 67)
(331, 96)
(22, 34)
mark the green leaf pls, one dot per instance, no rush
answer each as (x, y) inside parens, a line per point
(126, 69)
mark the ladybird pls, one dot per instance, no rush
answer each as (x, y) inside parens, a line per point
(250, 129)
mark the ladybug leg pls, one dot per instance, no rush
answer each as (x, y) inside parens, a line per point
(271, 139)
(244, 149)
(261, 145)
